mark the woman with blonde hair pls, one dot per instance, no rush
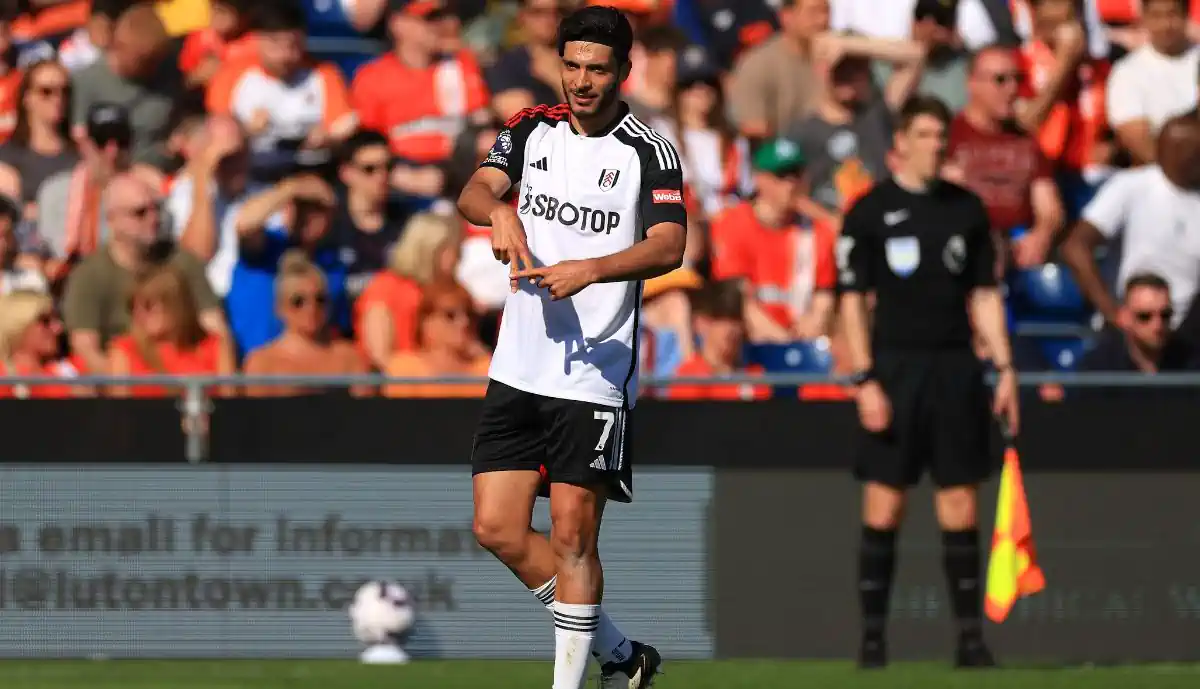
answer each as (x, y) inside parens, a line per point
(446, 347)
(307, 345)
(385, 315)
(29, 332)
(165, 336)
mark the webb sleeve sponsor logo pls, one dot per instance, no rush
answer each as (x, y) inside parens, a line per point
(667, 196)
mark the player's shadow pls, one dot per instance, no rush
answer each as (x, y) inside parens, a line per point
(563, 326)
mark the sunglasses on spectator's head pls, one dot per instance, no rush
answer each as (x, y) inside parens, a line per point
(1147, 316)
(299, 301)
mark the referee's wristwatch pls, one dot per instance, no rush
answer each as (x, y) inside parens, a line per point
(861, 378)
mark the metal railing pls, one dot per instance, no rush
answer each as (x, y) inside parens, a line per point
(196, 407)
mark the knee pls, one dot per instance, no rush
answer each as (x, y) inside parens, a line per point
(883, 507)
(504, 539)
(956, 508)
(573, 533)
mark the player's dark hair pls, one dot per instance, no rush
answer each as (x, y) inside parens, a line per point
(278, 16)
(1151, 280)
(722, 299)
(358, 141)
(597, 24)
(919, 105)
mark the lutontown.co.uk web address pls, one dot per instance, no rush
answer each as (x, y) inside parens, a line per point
(32, 588)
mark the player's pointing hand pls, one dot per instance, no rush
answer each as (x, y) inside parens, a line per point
(565, 279)
(509, 245)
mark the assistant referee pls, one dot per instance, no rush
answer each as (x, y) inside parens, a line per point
(922, 247)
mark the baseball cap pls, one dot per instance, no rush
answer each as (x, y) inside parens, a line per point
(694, 65)
(417, 8)
(779, 157)
(109, 122)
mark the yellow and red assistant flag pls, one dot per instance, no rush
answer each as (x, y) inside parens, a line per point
(1013, 572)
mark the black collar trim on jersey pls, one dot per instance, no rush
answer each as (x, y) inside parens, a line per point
(622, 111)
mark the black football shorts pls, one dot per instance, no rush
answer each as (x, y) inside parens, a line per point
(941, 421)
(568, 441)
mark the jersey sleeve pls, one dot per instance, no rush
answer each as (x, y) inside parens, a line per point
(1108, 209)
(855, 248)
(508, 152)
(662, 187)
(981, 249)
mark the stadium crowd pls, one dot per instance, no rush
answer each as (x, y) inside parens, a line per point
(208, 186)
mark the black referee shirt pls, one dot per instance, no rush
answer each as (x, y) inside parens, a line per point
(921, 254)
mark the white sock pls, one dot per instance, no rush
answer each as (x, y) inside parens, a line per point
(574, 629)
(610, 646)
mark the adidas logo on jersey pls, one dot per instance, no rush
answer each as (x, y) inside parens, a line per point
(599, 464)
(540, 164)
(550, 208)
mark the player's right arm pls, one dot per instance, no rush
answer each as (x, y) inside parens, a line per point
(854, 251)
(482, 199)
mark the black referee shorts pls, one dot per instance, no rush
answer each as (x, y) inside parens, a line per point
(941, 421)
(570, 442)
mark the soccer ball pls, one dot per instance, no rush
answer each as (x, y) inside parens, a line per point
(382, 613)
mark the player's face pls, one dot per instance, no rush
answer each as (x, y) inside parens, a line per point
(591, 77)
(1150, 316)
(923, 145)
(995, 83)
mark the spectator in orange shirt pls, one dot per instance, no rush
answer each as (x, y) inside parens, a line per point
(10, 76)
(307, 345)
(29, 332)
(385, 315)
(165, 336)
(420, 98)
(447, 346)
(784, 259)
(286, 101)
(226, 40)
(718, 320)
(1063, 99)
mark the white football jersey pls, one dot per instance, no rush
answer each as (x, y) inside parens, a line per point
(581, 197)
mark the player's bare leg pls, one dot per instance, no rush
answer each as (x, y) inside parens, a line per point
(503, 512)
(575, 514)
(956, 513)
(882, 513)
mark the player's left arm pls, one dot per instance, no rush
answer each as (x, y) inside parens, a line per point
(664, 228)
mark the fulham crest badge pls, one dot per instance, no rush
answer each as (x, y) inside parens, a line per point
(608, 179)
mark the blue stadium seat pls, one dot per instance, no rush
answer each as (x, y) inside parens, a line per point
(1062, 354)
(804, 356)
(1046, 293)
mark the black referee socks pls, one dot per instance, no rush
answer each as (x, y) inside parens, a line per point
(960, 557)
(876, 568)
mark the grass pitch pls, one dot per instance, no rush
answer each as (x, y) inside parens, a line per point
(249, 674)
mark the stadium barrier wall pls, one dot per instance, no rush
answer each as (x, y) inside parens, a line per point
(740, 543)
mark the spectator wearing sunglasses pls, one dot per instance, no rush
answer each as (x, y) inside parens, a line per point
(447, 346)
(1145, 342)
(992, 156)
(29, 332)
(306, 345)
(40, 146)
(96, 304)
(367, 222)
(297, 213)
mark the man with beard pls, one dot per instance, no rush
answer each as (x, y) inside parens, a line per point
(601, 210)
(847, 137)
